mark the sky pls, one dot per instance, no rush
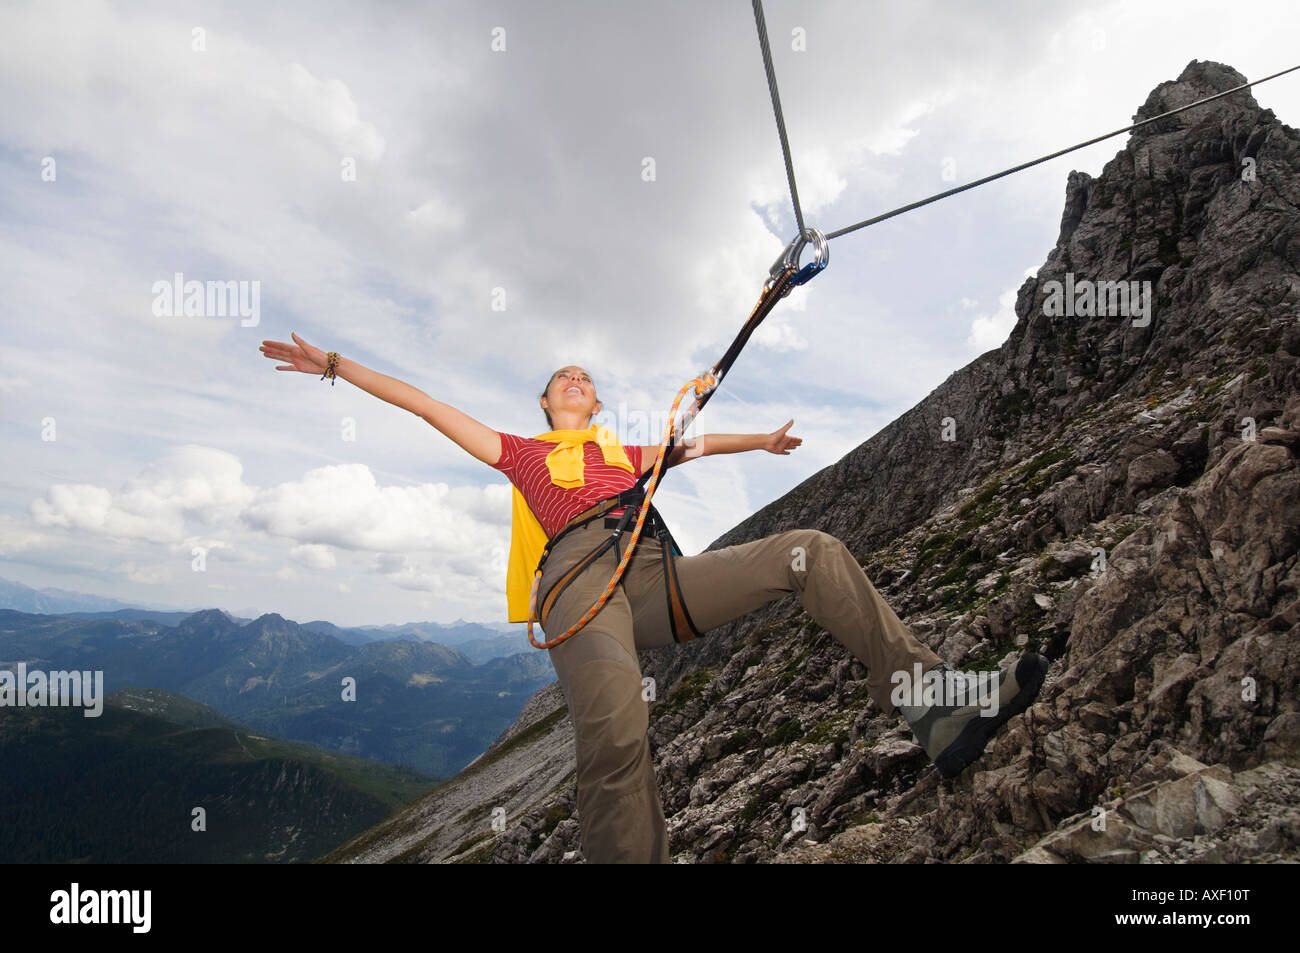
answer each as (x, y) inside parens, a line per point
(467, 197)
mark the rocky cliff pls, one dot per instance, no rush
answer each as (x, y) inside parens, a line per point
(1115, 487)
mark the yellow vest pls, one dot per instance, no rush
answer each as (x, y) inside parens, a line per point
(527, 537)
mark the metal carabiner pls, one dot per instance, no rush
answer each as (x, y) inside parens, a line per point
(823, 255)
(788, 261)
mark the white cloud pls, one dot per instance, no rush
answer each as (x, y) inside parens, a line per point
(344, 506)
(437, 214)
(217, 549)
(74, 506)
(327, 107)
(313, 556)
(15, 536)
(147, 576)
(777, 334)
(988, 331)
(414, 533)
(14, 384)
(200, 483)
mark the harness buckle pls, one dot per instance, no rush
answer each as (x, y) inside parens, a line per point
(623, 520)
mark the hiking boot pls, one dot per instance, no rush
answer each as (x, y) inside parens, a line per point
(968, 707)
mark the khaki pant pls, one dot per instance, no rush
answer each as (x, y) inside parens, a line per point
(619, 810)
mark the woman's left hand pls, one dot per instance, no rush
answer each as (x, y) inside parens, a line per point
(778, 442)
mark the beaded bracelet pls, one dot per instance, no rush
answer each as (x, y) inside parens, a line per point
(333, 358)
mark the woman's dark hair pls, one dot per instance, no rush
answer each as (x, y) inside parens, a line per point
(546, 390)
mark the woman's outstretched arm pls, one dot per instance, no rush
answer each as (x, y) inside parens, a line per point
(775, 442)
(475, 438)
(710, 443)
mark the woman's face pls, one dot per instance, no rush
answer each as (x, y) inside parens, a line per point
(571, 389)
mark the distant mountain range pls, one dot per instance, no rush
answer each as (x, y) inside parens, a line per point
(484, 640)
(422, 705)
(124, 787)
(197, 706)
(14, 595)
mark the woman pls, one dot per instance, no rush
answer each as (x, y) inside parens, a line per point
(618, 801)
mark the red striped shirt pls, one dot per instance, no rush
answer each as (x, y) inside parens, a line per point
(523, 461)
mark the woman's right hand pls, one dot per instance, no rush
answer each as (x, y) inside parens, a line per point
(301, 357)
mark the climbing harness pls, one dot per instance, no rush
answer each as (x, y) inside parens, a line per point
(680, 623)
(785, 274)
